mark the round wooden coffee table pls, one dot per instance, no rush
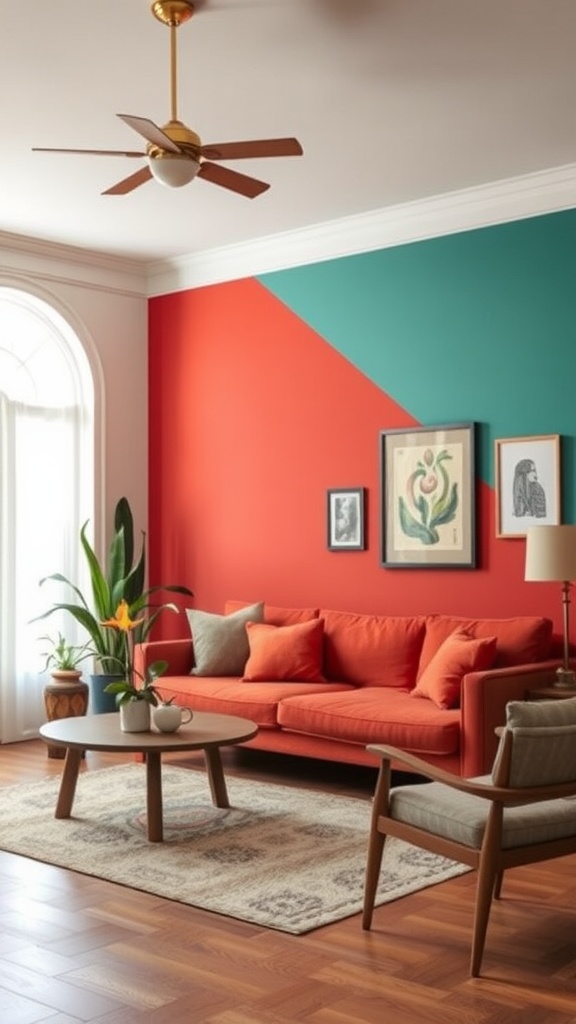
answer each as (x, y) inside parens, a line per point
(205, 732)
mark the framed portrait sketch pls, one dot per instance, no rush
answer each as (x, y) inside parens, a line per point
(428, 497)
(346, 519)
(527, 483)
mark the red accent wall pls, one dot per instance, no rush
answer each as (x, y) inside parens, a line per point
(253, 416)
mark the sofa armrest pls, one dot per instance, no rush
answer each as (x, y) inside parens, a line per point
(178, 653)
(483, 708)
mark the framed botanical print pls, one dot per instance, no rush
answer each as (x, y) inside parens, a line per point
(428, 497)
(527, 483)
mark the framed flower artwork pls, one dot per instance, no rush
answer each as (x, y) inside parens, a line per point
(428, 497)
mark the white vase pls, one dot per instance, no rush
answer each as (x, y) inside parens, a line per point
(135, 716)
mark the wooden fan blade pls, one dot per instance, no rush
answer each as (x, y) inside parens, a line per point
(130, 183)
(224, 176)
(91, 152)
(254, 148)
(150, 131)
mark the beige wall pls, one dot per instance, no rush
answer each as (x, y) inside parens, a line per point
(105, 302)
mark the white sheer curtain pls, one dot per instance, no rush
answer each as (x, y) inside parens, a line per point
(45, 450)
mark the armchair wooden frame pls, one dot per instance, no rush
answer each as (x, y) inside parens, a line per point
(490, 859)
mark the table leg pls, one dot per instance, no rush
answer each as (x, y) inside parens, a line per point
(216, 778)
(154, 796)
(68, 783)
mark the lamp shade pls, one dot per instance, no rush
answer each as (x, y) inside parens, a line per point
(550, 553)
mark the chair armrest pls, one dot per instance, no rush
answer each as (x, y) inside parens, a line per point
(416, 764)
(483, 708)
(178, 653)
(502, 794)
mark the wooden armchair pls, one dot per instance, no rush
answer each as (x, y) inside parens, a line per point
(520, 814)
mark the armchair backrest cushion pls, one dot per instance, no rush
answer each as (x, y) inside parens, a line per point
(543, 743)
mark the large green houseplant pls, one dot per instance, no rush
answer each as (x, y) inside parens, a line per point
(118, 580)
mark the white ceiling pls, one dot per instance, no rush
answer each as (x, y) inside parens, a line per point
(392, 100)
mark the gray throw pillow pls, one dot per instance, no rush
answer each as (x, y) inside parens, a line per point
(220, 642)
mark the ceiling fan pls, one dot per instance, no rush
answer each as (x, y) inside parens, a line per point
(174, 153)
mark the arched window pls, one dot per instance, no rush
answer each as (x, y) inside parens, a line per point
(46, 490)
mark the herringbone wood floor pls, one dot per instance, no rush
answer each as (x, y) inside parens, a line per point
(77, 949)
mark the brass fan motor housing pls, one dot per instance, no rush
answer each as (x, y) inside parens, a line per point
(186, 140)
(173, 12)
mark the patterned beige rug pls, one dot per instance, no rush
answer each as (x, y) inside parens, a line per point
(289, 859)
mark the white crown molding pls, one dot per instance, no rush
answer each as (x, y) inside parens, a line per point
(512, 199)
(21, 256)
(493, 203)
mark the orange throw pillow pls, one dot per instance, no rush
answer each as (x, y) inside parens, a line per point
(460, 653)
(289, 653)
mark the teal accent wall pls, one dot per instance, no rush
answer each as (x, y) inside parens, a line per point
(474, 326)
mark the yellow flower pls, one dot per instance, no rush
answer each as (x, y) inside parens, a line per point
(122, 620)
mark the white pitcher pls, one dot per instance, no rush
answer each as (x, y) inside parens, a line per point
(169, 717)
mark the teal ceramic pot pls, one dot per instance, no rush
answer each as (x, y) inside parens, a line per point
(102, 703)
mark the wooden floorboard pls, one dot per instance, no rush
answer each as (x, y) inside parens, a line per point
(77, 949)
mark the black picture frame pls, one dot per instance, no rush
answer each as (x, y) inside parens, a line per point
(428, 497)
(345, 518)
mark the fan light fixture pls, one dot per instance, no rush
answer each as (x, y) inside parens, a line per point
(551, 556)
(174, 153)
(173, 169)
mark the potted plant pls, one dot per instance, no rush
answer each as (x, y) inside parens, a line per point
(120, 579)
(63, 658)
(134, 694)
(66, 693)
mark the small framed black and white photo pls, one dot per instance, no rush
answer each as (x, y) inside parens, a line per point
(346, 519)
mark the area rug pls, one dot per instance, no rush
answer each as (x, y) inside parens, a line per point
(286, 858)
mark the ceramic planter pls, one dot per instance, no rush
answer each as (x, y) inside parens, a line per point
(135, 716)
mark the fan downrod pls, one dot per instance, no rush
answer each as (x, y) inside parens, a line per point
(173, 12)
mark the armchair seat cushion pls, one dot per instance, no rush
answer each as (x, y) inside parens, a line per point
(462, 817)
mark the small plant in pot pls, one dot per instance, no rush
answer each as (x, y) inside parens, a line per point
(63, 658)
(134, 694)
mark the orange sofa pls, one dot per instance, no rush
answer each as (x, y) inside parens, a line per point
(322, 683)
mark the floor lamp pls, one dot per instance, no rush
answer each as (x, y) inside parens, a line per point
(551, 556)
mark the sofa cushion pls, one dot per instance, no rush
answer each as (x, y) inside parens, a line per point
(275, 615)
(519, 641)
(285, 652)
(230, 696)
(220, 641)
(374, 714)
(460, 653)
(372, 650)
